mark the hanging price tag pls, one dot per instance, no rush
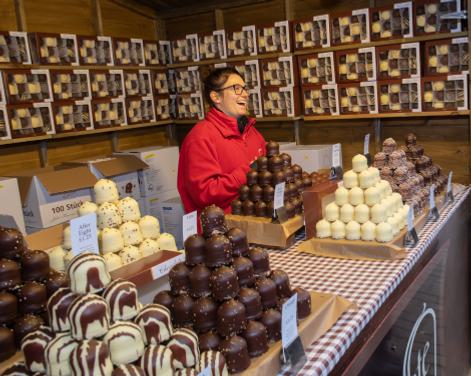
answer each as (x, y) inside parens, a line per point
(162, 269)
(278, 202)
(411, 238)
(336, 170)
(449, 189)
(292, 347)
(433, 211)
(83, 234)
(366, 149)
(190, 226)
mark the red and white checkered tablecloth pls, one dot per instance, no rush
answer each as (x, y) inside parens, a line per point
(367, 283)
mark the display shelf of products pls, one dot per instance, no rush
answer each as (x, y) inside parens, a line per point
(87, 67)
(391, 115)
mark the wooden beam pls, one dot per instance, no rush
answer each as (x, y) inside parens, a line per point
(137, 7)
(219, 18)
(97, 19)
(289, 10)
(160, 29)
(20, 16)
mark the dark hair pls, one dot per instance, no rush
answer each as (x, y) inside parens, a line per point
(216, 79)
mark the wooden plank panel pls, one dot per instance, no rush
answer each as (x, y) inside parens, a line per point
(20, 157)
(68, 149)
(257, 14)
(201, 23)
(59, 16)
(142, 137)
(8, 18)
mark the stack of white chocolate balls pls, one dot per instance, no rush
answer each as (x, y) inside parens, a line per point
(365, 208)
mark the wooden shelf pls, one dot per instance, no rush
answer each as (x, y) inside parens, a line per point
(389, 115)
(276, 118)
(25, 139)
(80, 67)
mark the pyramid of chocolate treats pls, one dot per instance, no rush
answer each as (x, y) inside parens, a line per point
(256, 197)
(227, 293)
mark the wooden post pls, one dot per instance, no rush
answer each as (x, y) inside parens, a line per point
(160, 29)
(20, 16)
(97, 19)
(469, 103)
(219, 18)
(289, 10)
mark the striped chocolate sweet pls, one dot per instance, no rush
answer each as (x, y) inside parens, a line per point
(33, 347)
(186, 372)
(88, 273)
(91, 358)
(128, 370)
(157, 361)
(122, 298)
(124, 340)
(57, 354)
(89, 317)
(57, 307)
(215, 361)
(17, 369)
(185, 348)
(154, 321)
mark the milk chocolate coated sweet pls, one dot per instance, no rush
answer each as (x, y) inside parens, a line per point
(267, 290)
(179, 279)
(32, 297)
(7, 343)
(260, 260)
(235, 351)
(224, 284)
(205, 314)
(164, 298)
(10, 274)
(231, 318)
(209, 341)
(281, 280)
(56, 280)
(257, 338)
(199, 281)
(194, 250)
(304, 302)
(212, 221)
(273, 148)
(34, 265)
(218, 251)
(26, 324)
(182, 310)
(8, 307)
(252, 301)
(12, 243)
(272, 321)
(238, 240)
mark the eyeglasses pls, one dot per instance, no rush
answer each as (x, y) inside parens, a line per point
(238, 89)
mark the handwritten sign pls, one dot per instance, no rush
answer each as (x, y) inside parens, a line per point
(83, 234)
(410, 219)
(161, 270)
(366, 144)
(336, 155)
(289, 328)
(278, 201)
(189, 224)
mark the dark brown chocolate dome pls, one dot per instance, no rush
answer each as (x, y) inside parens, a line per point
(55, 280)
(304, 302)
(268, 193)
(238, 240)
(260, 209)
(34, 265)
(244, 269)
(231, 318)
(288, 174)
(212, 221)
(260, 260)
(267, 290)
(252, 301)
(257, 338)
(275, 164)
(164, 298)
(278, 177)
(224, 284)
(218, 251)
(244, 192)
(7, 343)
(235, 351)
(272, 321)
(248, 207)
(182, 310)
(286, 158)
(273, 148)
(12, 243)
(264, 178)
(194, 250)
(297, 171)
(10, 274)
(281, 280)
(236, 207)
(209, 341)
(262, 163)
(178, 279)
(32, 297)
(199, 281)
(256, 192)
(205, 314)
(26, 324)
(252, 177)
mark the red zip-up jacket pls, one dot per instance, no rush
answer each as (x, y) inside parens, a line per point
(214, 161)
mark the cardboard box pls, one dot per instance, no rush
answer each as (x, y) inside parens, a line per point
(70, 84)
(11, 212)
(95, 50)
(5, 133)
(165, 52)
(275, 37)
(312, 33)
(213, 46)
(318, 68)
(151, 52)
(279, 71)
(172, 212)
(350, 27)
(310, 157)
(15, 49)
(280, 102)
(358, 98)
(446, 56)
(161, 176)
(72, 116)
(138, 83)
(400, 95)
(356, 65)
(392, 21)
(107, 83)
(51, 196)
(29, 120)
(108, 113)
(27, 85)
(398, 61)
(449, 93)
(320, 100)
(151, 204)
(428, 16)
(129, 51)
(57, 49)
(242, 42)
(249, 69)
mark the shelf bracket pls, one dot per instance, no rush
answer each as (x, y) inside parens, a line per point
(171, 134)
(377, 130)
(43, 159)
(114, 141)
(297, 137)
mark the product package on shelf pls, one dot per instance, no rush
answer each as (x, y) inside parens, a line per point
(190, 106)
(445, 93)
(393, 21)
(250, 71)
(280, 101)
(151, 52)
(446, 56)
(398, 61)
(400, 95)
(72, 116)
(429, 16)
(29, 120)
(14, 47)
(107, 83)
(279, 71)
(274, 38)
(163, 82)
(213, 46)
(188, 80)
(49, 48)
(109, 112)
(356, 65)
(242, 42)
(95, 50)
(165, 52)
(358, 98)
(317, 68)
(254, 106)
(140, 110)
(185, 49)
(3, 94)
(138, 83)
(27, 85)
(129, 51)
(165, 107)
(312, 33)
(350, 27)
(5, 133)
(71, 84)
(320, 100)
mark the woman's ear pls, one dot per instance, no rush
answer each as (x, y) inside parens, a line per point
(215, 97)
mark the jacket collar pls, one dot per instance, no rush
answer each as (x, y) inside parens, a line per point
(226, 124)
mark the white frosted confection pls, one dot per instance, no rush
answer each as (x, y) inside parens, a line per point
(395, 223)
(383, 187)
(88, 273)
(111, 240)
(125, 342)
(372, 196)
(346, 213)
(375, 172)
(129, 209)
(108, 216)
(359, 163)
(105, 191)
(56, 258)
(368, 231)
(366, 179)
(355, 196)
(338, 230)
(352, 230)
(68, 258)
(167, 242)
(87, 207)
(378, 213)
(323, 229)
(350, 179)
(332, 212)
(384, 232)
(341, 196)
(57, 354)
(362, 213)
(397, 200)
(66, 241)
(131, 233)
(150, 227)
(113, 261)
(130, 253)
(389, 205)
(148, 247)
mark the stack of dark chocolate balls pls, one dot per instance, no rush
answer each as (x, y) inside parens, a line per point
(26, 282)
(256, 198)
(227, 293)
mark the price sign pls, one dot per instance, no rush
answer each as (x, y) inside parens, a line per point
(366, 145)
(289, 328)
(411, 238)
(433, 211)
(336, 148)
(83, 234)
(449, 189)
(190, 226)
(410, 219)
(279, 199)
(162, 269)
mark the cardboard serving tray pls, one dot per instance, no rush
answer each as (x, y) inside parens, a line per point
(263, 232)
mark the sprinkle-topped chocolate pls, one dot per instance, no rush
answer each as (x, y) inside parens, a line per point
(231, 318)
(209, 341)
(236, 207)
(204, 314)
(262, 163)
(12, 243)
(164, 298)
(224, 284)
(303, 302)
(238, 240)
(260, 260)
(7, 343)
(272, 321)
(89, 317)
(88, 273)
(122, 299)
(34, 265)
(194, 250)
(212, 221)
(275, 164)
(273, 148)
(235, 352)
(281, 280)
(8, 307)
(10, 274)
(218, 251)
(252, 177)
(267, 290)
(199, 281)
(57, 307)
(185, 349)
(252, 301)
(179, 279)
(156, 324)
(182, 310)
(257, 338)
(26, 324)
(32, 297)
(244, 269)
(55, 280)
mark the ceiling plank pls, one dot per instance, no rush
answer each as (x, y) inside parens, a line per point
(138, 7)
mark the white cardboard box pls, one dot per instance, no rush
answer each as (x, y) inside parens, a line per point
(11, 211)
(310, 157)
(150, 205)
(172, 218)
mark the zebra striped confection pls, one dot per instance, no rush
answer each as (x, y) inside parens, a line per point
(128, 370)
(57, 307)
(185, 348)
(57, 355)
(157, 361)
(33, 346)
(215, 361)
(155, 322)
(88, 273)
(124, 340)
(91, 358)
(123, 300)
(89, 317)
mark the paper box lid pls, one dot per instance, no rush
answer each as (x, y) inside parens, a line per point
(112, 166)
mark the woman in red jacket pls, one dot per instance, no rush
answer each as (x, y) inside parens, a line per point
(216, 154)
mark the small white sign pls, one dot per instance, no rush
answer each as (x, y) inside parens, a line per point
(190, 226)
(448, 187)
(206, 372)
(336, 155)
(289, 327)
(161, 270)
(410, 219)
(83, 234)
(366, 144)
(431, 197)
(278, 201)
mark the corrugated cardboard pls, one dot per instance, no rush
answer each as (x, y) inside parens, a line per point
(151, 204)
(11, 210)
(172, 212)
(311, 157)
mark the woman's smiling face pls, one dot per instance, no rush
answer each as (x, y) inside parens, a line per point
(228, 101)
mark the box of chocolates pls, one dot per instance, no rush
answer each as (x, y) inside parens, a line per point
(165, 107)
(446, 56)
(242, 42)
(398, 61)
(312, 33)
(186, 49)
(430, 16)
(107, 83)
(163, 82)
(4, 126)
(255, 102)
(95, 50)
(165, 52)
(392, 21)
(3, 95)
(320, 100)
(358, 98)
(30, 119)
(279, 71)
(187, 80)
(447, 93)
(49, 48)
(151, 52)
(401, 95)
(213, 46)
(274, 38)
(350, 27)
(14, 47)
(280, 102)
(128, 51)
(138, 82)
(108, 112)
(190, 106)
(140, 110)
(71, 84)
(317, 68)
(27, 85)
(250, 71)
(356, 65)
(71, 116)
